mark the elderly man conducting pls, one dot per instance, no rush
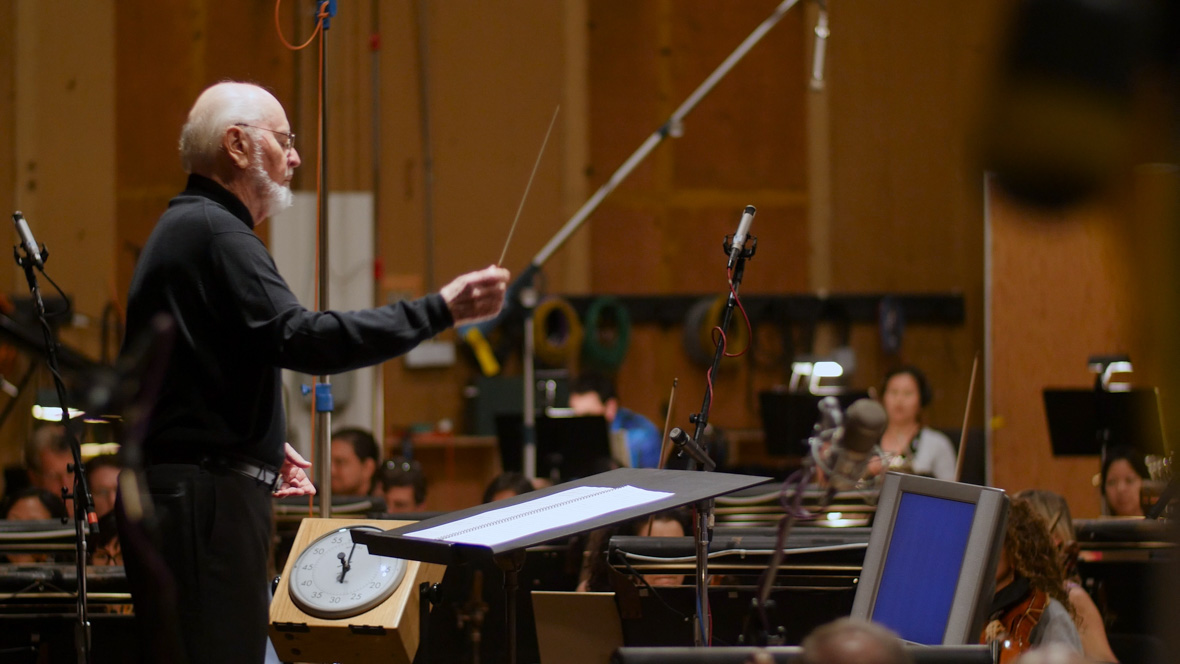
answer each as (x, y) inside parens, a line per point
(214, 450)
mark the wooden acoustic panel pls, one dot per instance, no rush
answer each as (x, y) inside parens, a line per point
(387, 633)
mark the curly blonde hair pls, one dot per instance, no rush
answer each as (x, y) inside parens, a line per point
(1054, 510)
(1032, 554)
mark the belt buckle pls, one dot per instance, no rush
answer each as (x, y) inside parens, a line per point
(277, 483)
(266, 477)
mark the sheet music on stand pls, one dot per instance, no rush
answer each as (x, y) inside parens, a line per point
(568, 507)
(553, 513)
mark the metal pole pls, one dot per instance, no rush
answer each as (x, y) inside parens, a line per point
(323, 390)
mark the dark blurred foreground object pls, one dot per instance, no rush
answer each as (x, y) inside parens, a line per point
(1059, 125)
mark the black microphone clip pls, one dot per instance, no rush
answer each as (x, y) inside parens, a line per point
(690, 447)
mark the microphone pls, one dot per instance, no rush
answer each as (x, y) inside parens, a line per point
(690, 447)
(821, 44)
(26, 237)
(739, 238)
(845, 461)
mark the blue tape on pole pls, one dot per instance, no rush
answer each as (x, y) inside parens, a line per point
(331, 12)
(323, 398)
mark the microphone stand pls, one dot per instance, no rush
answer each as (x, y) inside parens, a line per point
(84, 516)
(323, 401)
(698, 450)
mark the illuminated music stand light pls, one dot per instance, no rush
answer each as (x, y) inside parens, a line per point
(815, 372)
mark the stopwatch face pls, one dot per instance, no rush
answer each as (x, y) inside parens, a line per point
(336, 578)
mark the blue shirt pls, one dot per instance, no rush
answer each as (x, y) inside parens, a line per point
(643, 438)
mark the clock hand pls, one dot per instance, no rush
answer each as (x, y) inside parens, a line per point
(344, 566)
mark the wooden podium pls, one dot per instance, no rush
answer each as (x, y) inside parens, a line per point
(387, 633)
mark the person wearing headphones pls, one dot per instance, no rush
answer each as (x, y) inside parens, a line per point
(908, 444)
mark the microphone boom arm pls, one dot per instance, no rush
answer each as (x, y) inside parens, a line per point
(673, 126)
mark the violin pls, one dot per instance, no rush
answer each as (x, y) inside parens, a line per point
(1013, 628)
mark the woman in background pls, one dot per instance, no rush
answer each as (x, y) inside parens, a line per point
(910, 446)
(1054, 511)
(1123, 473)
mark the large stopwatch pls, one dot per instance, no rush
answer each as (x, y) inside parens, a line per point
(334, 577)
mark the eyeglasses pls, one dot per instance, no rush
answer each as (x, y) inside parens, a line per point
(402, 464)
(290, 136)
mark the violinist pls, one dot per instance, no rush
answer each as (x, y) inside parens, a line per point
(1054, 511)
(1031, 606)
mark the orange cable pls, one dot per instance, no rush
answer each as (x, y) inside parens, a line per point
(319, 23)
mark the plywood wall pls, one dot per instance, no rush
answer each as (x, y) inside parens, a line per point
(906, 79)
(1095, 279)
(1059, 296)
(57, 152)
(867, 186)
(65, 150)
(660, 232)
(495, 73)
(167, 52)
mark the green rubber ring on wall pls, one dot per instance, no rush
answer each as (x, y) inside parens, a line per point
(594, 351)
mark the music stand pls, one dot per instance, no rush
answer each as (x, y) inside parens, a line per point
(572, 446)
(548, 514)
(1082, 421)
(788, 418)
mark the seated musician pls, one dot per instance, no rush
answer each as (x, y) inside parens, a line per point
(1031, 606)
(849, 641)
(102, 475)
(1054, 511)
(1123, 473)
(354, 462)
(909, 445)
(672, 523)
(33, 504)
(596, 574)
(594, 394)
(506, 485)
(47, 459)
(403, 485)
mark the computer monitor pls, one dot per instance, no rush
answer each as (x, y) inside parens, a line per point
(929, 571)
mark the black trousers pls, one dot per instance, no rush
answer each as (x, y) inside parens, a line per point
(198, 577)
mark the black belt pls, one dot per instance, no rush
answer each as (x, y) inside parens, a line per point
(264, 474)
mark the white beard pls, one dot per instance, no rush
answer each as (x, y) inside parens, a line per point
(275, 197)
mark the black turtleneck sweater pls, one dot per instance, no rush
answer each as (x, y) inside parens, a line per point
(237, 324)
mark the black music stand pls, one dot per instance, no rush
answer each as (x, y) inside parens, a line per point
(788, 418)
(682, 487)
(571, 446)
(1086, 421)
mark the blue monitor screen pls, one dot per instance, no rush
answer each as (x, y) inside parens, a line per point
(922, 566)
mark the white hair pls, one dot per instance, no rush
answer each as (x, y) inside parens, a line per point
(275, 197)
(200, 139)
